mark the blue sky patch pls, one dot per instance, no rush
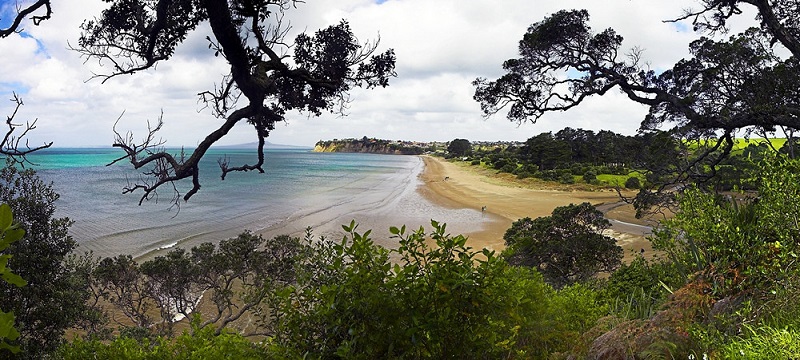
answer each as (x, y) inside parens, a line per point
(575, 74)
(681, 27)
(6, 13)
(6, 88)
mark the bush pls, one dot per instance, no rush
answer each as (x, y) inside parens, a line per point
(590, 177)
(509, 168)
(523, 174)
(499, 163)
(475, 162)
(433, 302)
(578, 169)
(566, 178)
(748, 245)
(547, 175)
(633, 183)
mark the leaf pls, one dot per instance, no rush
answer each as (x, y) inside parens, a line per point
(15, 279)
(5, 216)
(394, 230)
(12, 235)
(7, 330)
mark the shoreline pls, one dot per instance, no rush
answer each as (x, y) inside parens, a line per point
(453, 186)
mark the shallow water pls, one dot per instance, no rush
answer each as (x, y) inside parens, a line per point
(299, 189)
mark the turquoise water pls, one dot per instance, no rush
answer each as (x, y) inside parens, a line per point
(299, 189)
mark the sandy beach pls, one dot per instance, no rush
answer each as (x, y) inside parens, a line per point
(457, 186)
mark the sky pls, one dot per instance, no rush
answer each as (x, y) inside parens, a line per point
(441, 47)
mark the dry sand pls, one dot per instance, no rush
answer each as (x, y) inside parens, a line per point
(456, 185)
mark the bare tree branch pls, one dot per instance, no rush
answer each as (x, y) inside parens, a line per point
(22, 13)
(11, 145)
(135, 35)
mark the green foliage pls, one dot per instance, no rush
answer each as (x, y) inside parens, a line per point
(56, 296)
(459, 147)
(743, 244)
(590, 177)
(566, 247)
(11, 232)
(198, 344)
(346, 299)
(650, 277)
(445, 301)
(633, 182)
(764, 343)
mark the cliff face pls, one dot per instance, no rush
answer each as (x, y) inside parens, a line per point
(371, 146)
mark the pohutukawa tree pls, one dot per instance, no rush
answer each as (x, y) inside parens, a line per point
(263, 84)
(733, 87)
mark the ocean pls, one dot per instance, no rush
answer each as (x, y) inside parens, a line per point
(300, 189)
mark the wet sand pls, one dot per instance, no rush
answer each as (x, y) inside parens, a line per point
(458, 185)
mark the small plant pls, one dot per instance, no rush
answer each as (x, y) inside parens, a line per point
(11, 232)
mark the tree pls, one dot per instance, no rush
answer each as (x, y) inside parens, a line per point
(580, 142)
(566, 247)
(725, 88)
(236, 277)
(56, 296)
(459, 147)
(263, 84)
(545, 151)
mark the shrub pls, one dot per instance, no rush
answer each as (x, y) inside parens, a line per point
(433, 302)
(590, 177)
(746, 245)
(508, 168)
(632, 183)
(566, 178)
(475, 162)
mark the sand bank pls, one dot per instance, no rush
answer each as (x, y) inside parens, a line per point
(457, 186)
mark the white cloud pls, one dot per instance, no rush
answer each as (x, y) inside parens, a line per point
(441, 47)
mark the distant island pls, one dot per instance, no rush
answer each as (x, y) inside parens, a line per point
(377, 146)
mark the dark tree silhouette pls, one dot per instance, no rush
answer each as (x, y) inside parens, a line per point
(264, 82)
(565, 247)
(459, 147)
(12, 145)
(728, 88)
(35, 10)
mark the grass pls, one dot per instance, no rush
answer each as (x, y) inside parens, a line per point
(618, 180)
(765, 343)
(740, 144)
